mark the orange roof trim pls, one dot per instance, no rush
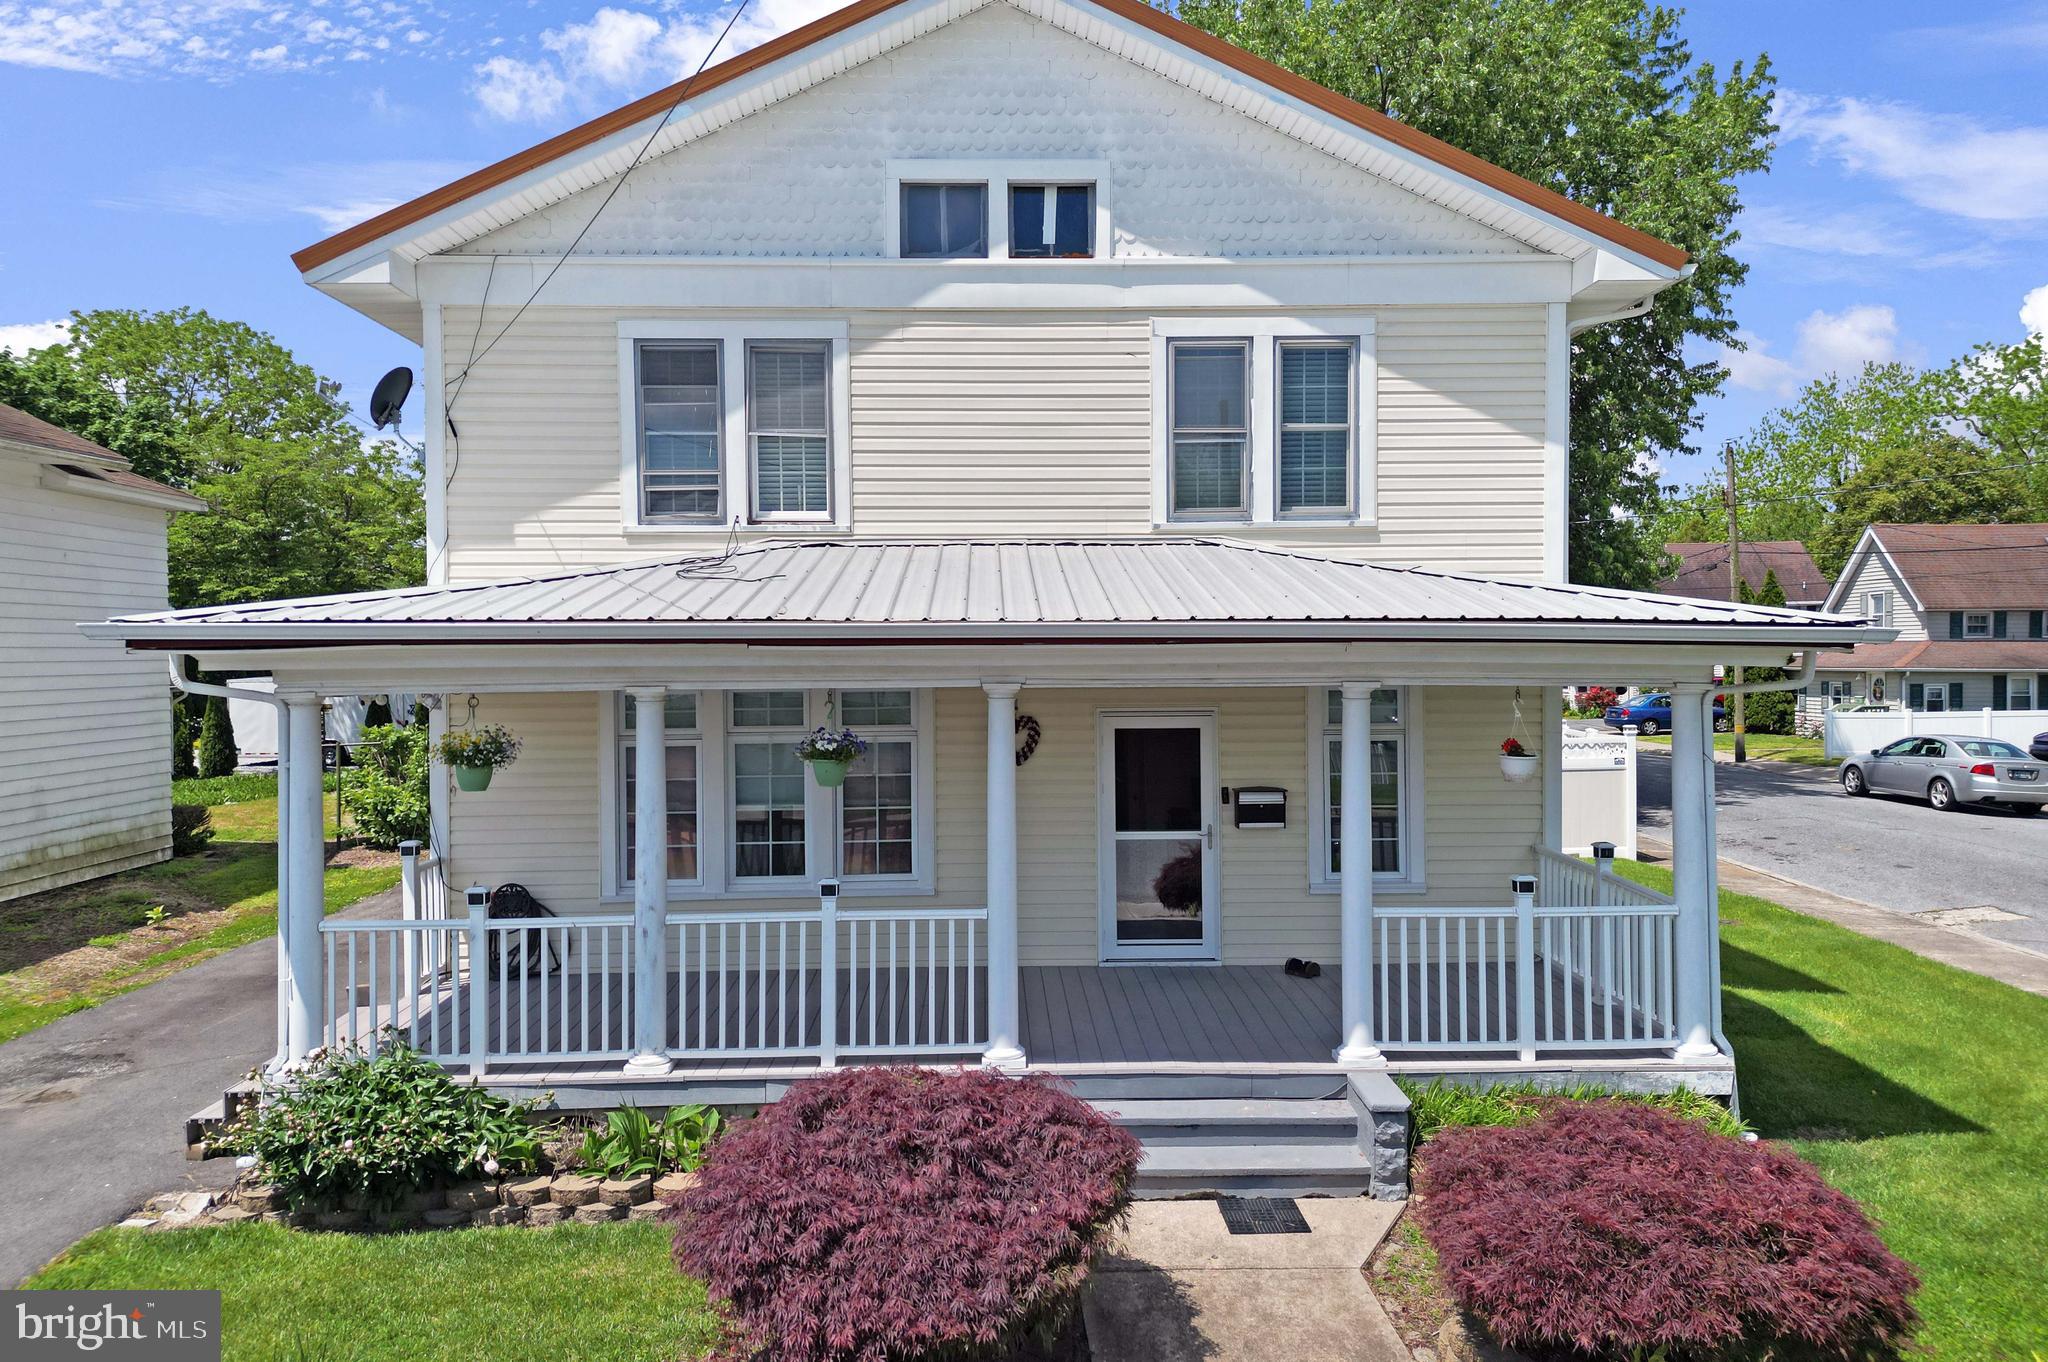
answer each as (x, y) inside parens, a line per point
(1187, 35)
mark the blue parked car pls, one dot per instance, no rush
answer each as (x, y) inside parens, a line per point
(1651, 714)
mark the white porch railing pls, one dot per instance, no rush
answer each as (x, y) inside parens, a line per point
(479, 991)
(1583, 960)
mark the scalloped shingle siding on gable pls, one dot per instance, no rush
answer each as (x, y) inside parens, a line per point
(1190, 177)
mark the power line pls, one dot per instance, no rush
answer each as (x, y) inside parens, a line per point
(1958, 475)
(682, 94)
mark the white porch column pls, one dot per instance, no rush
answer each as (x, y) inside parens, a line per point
(1354, 872)
(303, 848)
(1004, 1050)
(1692, 866)
(650, 882)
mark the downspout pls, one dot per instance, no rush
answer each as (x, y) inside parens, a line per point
(192, 687)
(1810, 662)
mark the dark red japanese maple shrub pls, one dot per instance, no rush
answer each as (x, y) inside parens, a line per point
(891, 1213)
(1612, 1228)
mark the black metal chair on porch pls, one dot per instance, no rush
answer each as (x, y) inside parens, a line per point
(517, 901)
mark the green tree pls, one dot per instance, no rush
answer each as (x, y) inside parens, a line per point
(1603, 101)
(386, 794)
(182, 765)
(1768, 711)
(301, 502)
(217, 754)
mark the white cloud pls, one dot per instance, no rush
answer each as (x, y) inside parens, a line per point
(1948, 163)
(333, 195)
(518, 91)
(1828, 343)
(216, 39)
(23, 337)
(2034, 311)
(615, 47)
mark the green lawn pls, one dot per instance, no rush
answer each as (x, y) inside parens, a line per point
(1799, 750)
(595, 1293)
(1916, 1088)
(74, 948)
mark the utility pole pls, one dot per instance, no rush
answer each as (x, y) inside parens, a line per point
(1734, 596)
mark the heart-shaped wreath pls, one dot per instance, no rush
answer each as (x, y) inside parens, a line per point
(1028, 726)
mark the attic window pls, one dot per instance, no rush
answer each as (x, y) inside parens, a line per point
(944, 221)
(1977, 625)
(1052, 221)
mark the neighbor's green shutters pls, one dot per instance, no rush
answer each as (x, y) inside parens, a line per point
(1955, 695)
(1998, 688)
(2041, 690)
(1955, 624)
(1998, 624)
(1916, 695)
(2033, 624)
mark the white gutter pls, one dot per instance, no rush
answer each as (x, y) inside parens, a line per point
(192, 687)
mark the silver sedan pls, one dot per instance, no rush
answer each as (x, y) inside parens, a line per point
(1949, 771)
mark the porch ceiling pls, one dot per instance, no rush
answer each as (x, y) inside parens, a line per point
(1045, 591)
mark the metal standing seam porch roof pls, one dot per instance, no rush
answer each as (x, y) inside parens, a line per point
(1041, 590)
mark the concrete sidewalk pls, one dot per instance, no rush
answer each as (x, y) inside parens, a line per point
(1184, 1289)
(93, 1106)
(2015, 965)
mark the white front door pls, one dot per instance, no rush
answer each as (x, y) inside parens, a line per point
(1156, 803)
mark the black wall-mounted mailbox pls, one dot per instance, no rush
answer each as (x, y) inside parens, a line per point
(1261, 806)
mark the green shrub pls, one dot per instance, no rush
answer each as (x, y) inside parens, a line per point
(183, 767)
(217, 755)
(386, 794)
(191, 829)
(1441, 1105)
(370, 1128)
(630, 1144)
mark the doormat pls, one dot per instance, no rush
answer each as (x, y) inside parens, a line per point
(1261, 1215)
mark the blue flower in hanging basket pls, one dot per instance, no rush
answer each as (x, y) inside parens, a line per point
(829, 753)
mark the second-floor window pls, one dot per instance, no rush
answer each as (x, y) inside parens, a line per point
(1315, 428)
(1052, 221)
(789, 428)
(1977, 624)
(680, 414)
(1208, 383)
(944, 221)
(1877, 607)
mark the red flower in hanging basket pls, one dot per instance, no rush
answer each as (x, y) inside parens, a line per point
(1513, 748)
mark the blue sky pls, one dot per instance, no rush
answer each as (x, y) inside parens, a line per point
(173, 152)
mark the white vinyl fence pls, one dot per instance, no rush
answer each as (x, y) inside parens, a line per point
(1850, 734)
(1599, 789)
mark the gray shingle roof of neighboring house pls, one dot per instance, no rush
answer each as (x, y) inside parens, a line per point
(37, 438)
(1042, 589)
(1948, 655)
(1970, 567)
(1703, 570)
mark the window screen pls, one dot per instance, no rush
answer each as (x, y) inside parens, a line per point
(943, 220)
(679, 430)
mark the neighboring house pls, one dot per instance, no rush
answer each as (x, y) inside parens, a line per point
(1703, 574)
(1158, 459)
(1968, 604)
(85, 729)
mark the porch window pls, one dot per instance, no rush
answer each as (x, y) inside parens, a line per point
(788, 428)
(768, 785)
(1391, 779)
(1207, 382)
(1314, 476)
(684, 742)
(878, 802)
(679, 407)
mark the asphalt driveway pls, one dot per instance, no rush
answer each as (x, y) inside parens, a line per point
(1795, 822)
(93, 1106)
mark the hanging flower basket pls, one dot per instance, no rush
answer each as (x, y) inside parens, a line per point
(829, 753)
(1517, 763)
(475, 754)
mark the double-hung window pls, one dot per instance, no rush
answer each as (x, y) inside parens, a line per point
(878, 801)
(683, 757)
(789, 435)
(1977, 624)
(680, 409)
(1877, 607)
(768, 785)
(1207, 396)
(1315, 453)
(1393, 790)
(2019, 690)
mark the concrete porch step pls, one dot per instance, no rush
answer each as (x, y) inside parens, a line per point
(1277, 1168)
(1233, 1121)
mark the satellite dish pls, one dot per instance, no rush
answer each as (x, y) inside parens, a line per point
(387, 402)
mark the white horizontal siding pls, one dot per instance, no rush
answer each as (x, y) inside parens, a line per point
(1037, 424)
(538, 824)
(85, 742)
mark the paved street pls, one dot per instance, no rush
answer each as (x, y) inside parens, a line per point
(93, 1106)
(1794, 822)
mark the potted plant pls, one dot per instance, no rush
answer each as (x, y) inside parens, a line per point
(474, 753)
(830, 753)
(1517, 763)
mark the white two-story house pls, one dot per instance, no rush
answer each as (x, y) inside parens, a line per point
(1159, 460)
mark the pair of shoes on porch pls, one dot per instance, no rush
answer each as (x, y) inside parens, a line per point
(1304, 969)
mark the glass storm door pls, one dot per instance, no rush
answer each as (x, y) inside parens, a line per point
(1157, 856)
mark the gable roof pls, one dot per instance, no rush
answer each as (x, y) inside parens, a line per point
(1043, 590)
(1703, 570)
(1459, 166)
(87, 465)
(1961, 567)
